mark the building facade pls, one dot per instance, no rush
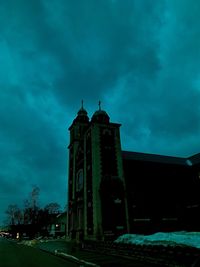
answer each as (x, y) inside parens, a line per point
(111, 192)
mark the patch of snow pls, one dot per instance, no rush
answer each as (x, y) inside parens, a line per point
(189, 163)
(166, 239)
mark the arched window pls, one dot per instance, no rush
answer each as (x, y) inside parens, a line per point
(79, 180)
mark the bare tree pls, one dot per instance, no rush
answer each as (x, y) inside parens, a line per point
(53, 208)
(14, 214)
(34, 196)
(27, 212)
(31, 207)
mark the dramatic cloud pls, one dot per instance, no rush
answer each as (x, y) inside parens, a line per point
(141, 58)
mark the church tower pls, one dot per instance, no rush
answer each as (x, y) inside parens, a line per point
(76, 174)
(97, 198)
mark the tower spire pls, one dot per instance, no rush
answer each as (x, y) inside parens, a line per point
(99, 105)
(82, 104)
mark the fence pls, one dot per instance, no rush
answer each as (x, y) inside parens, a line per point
(171, 256)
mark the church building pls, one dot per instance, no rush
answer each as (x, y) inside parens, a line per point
(112, 192)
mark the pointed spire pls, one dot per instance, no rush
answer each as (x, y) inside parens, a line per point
(100, 116)
(82, 114)
(99, 105)
(82, 111)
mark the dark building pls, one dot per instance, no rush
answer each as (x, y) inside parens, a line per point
(112, 192)
(163, 192)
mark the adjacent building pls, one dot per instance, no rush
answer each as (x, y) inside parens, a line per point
(57, 224)
(111, 192)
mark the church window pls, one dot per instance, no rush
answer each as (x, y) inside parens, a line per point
(107, 132)
(108, 152)
(117, 201)
(79, 180)
(88, 167)
(88, 135)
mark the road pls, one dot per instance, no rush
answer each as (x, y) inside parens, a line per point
(15, 255)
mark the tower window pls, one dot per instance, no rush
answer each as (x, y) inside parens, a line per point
(79, 180)
(107, 132)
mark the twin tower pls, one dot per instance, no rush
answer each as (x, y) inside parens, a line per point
(96, 186)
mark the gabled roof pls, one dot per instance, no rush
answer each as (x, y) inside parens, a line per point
(128, 155)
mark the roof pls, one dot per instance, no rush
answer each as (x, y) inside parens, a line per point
(195, 159)
(128, 155)
(100, 116)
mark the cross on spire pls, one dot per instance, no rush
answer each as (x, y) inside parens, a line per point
(99, 105)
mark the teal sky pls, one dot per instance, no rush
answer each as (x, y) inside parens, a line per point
(140, 58)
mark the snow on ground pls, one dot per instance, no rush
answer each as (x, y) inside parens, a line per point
(28, 242)
(166, 239)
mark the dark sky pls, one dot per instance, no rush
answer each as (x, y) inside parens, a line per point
(140, 58)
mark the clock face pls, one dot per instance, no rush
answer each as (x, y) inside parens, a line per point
(79, 180)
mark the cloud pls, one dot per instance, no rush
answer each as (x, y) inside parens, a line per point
(140, 59)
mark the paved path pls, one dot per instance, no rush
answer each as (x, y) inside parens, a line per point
(15, 255)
